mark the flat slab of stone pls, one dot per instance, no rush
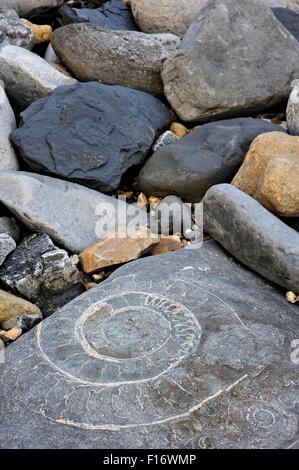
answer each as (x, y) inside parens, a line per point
(183, 350)
(112, 15)
(72, 215)
(28, 77)
(126, 58)
(90, 133)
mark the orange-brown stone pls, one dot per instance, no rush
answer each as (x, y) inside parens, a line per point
(178, 129)
(167, 244)
(42, 33)
(119, 246)
(270, 173)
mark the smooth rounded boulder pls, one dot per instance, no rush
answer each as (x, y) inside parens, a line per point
(209, 155)
(126, 58)
(165, 16)
(24, 7)
(269, 173)
(253, 235)
(228, 65)
(8, 157)
(90, 133)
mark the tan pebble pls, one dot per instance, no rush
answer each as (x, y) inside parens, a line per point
(178, 129)
(10, 335)
(291, 297)
(42, 33)
(89, 285)
(166, 245)
(99, 277)
(142, 201)
(154, 201)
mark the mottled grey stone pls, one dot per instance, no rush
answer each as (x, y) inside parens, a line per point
(166, 138)
(253, 235)
(50, 55)
(228, 64)
(293, 110)
(165, 16)
(113, 15)
(184, 350)
(7, 245)
(72, 215)
(28, 77)
(90, 133)
(12, 31)
(8, 158)
(289, 18)
(174, 216)
(23, 7)
(209, 155)
(38, 268)
(126, 58)
(9, 227)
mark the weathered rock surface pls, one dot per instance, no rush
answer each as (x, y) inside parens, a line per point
(90, 133)
(293, 110)
(7, 245)
(290, 20)
(190, 351)
(9, 227)
(126, 58)
(173, 216)
(72, 215)
(209, 155)
(50, 55)
(8, 158)
(253, 235)
(113, 15)
(270, 175)
(12, 306)
(37, 269)
(23, 7)
(24, 323)
(165, 16)
(119, 246)
(227, 65)
(13, 31)
(28, 77)
(166, 138)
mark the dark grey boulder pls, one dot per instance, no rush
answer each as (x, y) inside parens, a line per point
(13, 32)
(184, 350)
(209, 155)
(126, 58)
(236, 58)
(40, 271)
(253, 235)
(114, 14)
(289, 18)
(90, 133)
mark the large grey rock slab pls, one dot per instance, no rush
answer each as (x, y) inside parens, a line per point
(228, 65)
(8, 157)
(127, 58)
(23, 7)
(28, 77)
(165, 16)
(253, 235)
(12, 31)
(183, 350)
(114, 14)
(209, 155)
(90, 133)
(293, 110)
(7, 245)
(290, 20)
(42, 272)
(72, 215)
